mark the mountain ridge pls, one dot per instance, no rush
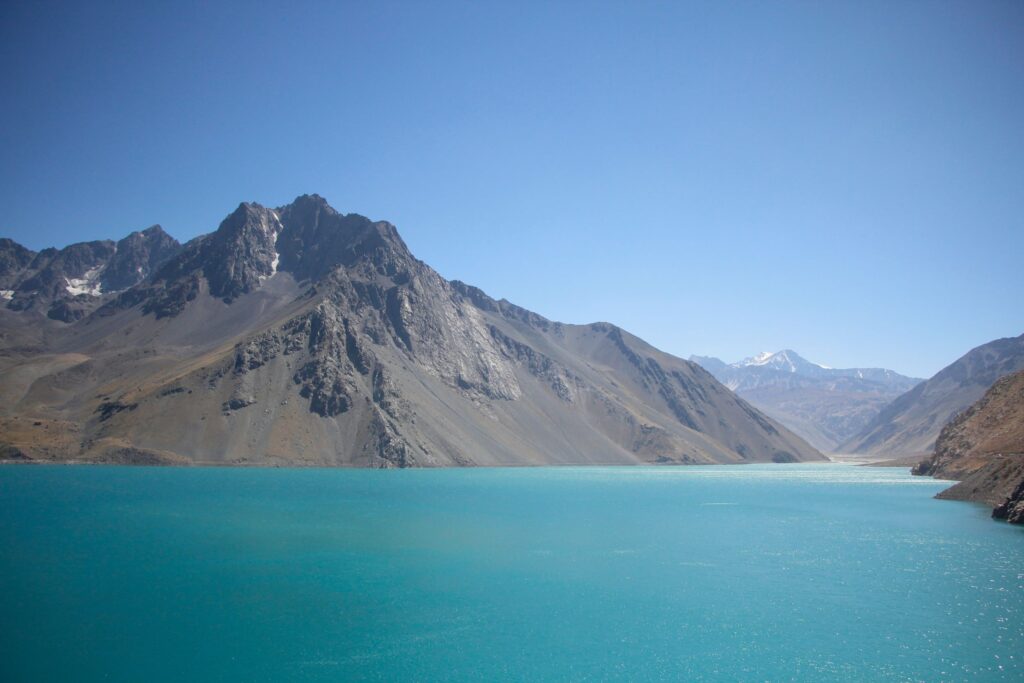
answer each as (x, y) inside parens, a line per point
(911, 424)
(67, 283)
(300, 335)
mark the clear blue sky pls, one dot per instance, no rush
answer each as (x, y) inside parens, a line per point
(843, 179)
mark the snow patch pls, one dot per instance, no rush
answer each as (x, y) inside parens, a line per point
(763, 358)
(273, 233)
(87, 284)
(780, 360)
(6, 294)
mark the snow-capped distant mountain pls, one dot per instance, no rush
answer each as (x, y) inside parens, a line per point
(824, 405)
(785, 360)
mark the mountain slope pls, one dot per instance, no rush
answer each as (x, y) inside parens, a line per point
(912, 422)
(824, 405)
(984, 447)
(299, 335)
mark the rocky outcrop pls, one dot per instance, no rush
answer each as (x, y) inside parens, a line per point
(983, 447)
(1012, 509)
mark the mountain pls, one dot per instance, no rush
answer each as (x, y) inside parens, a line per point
(303, 336)
(912, 422)
(984, 447)
(825, 406)
(69, 283)
(784, 361)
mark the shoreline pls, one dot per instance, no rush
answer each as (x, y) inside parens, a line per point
(300, 466)
(875, 461)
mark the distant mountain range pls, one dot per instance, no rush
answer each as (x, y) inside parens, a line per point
(67, 284)
(299, 335)
(826, 406)
(911, 424)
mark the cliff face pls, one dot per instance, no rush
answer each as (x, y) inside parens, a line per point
(300, 335)
(1012, 509)
(911, 424)
(984, 448)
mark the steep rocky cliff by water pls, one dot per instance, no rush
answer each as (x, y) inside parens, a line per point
(984, 448)
(303, 336)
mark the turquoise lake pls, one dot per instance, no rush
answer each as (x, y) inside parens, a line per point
(726, 573)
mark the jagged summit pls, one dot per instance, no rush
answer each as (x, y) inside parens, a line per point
(136, 256)
(307, 239)
(304, 335)
(316, 239)
(67, 284)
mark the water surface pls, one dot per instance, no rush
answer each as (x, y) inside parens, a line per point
(775, 572)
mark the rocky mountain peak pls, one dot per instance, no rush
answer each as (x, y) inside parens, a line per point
(317, 239)
(13, 259)
(242, 252)
(308, 239)
(312, 204)
(136, 256)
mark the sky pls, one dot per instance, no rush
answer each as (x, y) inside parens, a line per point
(842, 179)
